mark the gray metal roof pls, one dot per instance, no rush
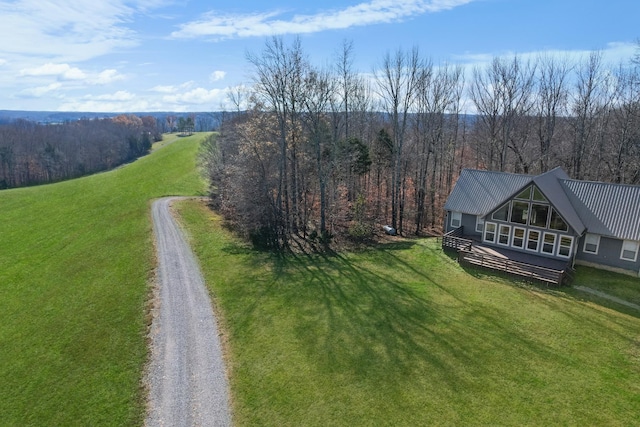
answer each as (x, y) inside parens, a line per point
(608, 209)
(611, 210)
(550, 183)
(478, 192)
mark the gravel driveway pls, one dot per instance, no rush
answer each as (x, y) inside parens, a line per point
(186, 377)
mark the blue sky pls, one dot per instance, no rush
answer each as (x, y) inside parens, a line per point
(183, 55)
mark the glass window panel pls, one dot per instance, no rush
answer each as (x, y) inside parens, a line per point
(502, 213)
(519, 212)
(564, 246)
(525, 194)
(539, 214)
(533, 238)
(503, 234)
(456, 219)
(591, 243)
(537, 195)
(629, 250)
(479, 224)
(549, 243)
(490, 232)
(556, 222)
(518, 237)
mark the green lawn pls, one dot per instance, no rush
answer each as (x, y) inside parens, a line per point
(76, 259)
(403, 336)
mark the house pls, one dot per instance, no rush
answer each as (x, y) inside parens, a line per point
(548, 217)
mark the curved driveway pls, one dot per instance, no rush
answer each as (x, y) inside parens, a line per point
(186, 376)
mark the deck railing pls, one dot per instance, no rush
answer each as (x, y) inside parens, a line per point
(542, 274)
(454, 240)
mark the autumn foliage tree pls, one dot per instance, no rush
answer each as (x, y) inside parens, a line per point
(32, 153)
(323, 152)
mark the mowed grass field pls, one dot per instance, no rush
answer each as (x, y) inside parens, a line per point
(76, 260)
(402, 335)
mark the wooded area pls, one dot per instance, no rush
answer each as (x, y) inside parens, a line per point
(324, 151)
(32, 153)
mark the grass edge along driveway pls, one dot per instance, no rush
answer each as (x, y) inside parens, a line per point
(76, 260)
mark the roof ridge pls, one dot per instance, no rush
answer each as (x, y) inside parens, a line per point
(585, 181)
(499, 172)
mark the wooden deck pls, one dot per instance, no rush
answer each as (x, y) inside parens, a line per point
(540, 269)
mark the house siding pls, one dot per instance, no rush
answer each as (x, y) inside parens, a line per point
(596, 208)
(468, 222)
(608, 255)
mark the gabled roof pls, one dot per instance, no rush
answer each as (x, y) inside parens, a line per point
(611, 210)
(478, 192)
(550, 183)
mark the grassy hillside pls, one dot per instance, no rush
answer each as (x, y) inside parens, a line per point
(75, 263)
(403, 336)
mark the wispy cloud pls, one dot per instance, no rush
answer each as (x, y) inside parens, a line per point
(613, 53)
(40, 91)
(173, 88)
(60, 71)
(198, 96)
(67, 73)
(107, 76)
(217, 75)
(121, 95)
(69, 31)
(221, 26)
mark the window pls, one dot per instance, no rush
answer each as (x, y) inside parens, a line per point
(520, 212)
(564, 246)
(539, 215)
(629, 250)
(489, 232)
(502, 213)
(549, 243)
(537, 195)
(456, 219)
(591, 243)
(479, 224)
(525, 194)
(556, 222)
(503, 234)
(518, 237)
(533, 238)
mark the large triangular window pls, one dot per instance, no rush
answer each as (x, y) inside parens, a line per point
(501, 214)
(556, 222)
(525, 194)
(538, 196)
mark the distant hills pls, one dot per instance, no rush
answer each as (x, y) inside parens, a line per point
(203, 120)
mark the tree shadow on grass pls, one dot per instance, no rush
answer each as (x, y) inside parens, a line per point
(353, 315)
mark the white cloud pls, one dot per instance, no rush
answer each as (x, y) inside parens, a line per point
(121, 95)
(65, 72)
(173, 88)
(217, 75)
(110, 106)
(61, 71)
(107, 76)
(38, 92)
(2, 62)
(197, 96)
(266, 24)
(613, 53)
(68, 31)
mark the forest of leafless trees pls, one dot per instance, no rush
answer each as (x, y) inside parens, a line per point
(324, 152)
(32, 153)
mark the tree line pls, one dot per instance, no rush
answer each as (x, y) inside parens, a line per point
(322, 151)
(32, 153)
